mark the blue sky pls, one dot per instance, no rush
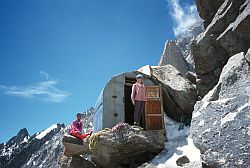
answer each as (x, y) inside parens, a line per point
(57, 55)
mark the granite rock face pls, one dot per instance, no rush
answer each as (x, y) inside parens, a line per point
(178, 53)
(207, 9)
(226, 35)
(220, 123)
(172, 55)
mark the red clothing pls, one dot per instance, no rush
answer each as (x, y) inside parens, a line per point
(78, 134)
(138, 92)
(76, 130)
(76, 125)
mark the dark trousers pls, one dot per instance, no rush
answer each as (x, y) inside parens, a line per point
(139, 110)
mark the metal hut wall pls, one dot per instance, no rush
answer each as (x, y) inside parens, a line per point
(110, 105)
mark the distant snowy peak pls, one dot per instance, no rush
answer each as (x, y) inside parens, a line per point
(23, 147)
(20, 140)
(88, 112)
(87, 118)
(45, 132)
(21, 135)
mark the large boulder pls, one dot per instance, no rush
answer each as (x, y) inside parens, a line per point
(125, 145)
(207, 9)
(181, 93)
(220, 123)
(226, 35)
(74, 146)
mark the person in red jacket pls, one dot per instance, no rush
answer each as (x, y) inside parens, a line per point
(76, 128)
(138, 97)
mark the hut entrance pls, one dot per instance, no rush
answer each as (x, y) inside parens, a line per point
(154, 109)
(129, 107)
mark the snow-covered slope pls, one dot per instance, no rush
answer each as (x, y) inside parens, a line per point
(38, 150)
(178, 145)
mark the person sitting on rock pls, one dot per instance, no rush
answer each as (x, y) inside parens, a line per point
(76, 128)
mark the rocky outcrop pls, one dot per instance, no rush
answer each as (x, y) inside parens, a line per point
(74, 146)
(122, 146)
(191, 76)
(236, 37)
(87, 119)
(226, 35)
(177, 52)
(76, 162)
(172, 55)
(207, 9)
(184, 43)
(180, 94)
(220, 123)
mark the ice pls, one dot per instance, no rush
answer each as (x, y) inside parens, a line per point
(45, 132)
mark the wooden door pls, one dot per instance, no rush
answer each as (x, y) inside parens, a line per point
(154, 108)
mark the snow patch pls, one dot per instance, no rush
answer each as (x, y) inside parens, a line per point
(179, 144)
(196, 114)
(244, 106)
(223, 101)
(174, 150)
(25, 140)
(228, 117)
(172, 129)
(201, 123)
(45, 132)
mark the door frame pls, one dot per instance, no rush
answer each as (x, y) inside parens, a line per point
(159, 98)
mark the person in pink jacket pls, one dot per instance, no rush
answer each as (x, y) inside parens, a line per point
(138, 97)
(76, 128)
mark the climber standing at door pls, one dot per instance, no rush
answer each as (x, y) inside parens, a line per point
(76, 128)
(138, 97)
